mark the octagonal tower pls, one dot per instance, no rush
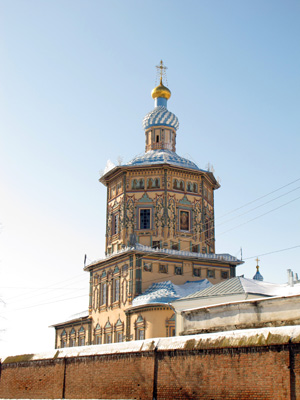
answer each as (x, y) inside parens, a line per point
(160, 199)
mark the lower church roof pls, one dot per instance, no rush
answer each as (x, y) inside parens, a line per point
(165, 292)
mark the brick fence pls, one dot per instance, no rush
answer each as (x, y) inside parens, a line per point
(254, 364)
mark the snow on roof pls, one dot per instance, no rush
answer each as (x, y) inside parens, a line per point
(78, 316)
(260, 300)
(177, 253)
(228, 339)
(153, 157)
(165, 292)
(239, 285)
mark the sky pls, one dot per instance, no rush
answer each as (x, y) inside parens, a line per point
(75, 83)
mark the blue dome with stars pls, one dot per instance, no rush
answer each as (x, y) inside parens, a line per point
(160, 116)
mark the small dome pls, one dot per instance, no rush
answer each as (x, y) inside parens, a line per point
(258, 276)
(160, 116)
(161, 91)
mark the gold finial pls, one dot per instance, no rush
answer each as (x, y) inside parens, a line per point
(161, 90)
(257, 266)
(161, 70)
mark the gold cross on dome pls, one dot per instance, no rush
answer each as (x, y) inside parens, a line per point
(257, 260)
(161, 70)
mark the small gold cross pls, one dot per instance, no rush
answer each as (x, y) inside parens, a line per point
(161, 69)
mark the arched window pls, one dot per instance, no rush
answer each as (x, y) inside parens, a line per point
(103, 296)
(98, 335)
(170, 326)
(116, 289)
(72, 340)
(63, 339)
(108, 332)
(81, 337)
(119, 331)
(134, 184)
(140, 325)
(141, 184)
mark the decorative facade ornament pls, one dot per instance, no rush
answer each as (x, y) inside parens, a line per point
(197, 220)
(171, 218)
(159, 215)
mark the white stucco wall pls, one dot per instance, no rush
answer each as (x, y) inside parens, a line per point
(273, 311)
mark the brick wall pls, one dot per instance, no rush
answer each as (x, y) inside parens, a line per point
(253, 372)
(128, 376)
(34, 380)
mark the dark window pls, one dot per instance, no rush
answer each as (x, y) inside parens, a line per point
(195, 248)
(115, 227)
(145, 219)
(210, 273)
(197, 272)
(224, 274)
(175, 246)
(178, 270)
(156, 244)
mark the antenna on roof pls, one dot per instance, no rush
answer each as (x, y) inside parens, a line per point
(241, 254)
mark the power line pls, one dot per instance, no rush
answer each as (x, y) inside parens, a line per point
(50, 302)
(259, 198)
(76, 277)
(272, 252)
(154, 280)
(192, 231)
(259, 216)
(261, 205)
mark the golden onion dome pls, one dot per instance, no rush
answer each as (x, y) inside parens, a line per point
(161, 91)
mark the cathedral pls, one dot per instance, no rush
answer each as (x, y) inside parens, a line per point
(160, 240)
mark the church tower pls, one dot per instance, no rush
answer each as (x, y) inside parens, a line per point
(159, 234)
(159, 199)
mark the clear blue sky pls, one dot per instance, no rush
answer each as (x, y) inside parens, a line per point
(76, 78)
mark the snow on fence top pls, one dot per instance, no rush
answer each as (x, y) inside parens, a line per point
(218, 340)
